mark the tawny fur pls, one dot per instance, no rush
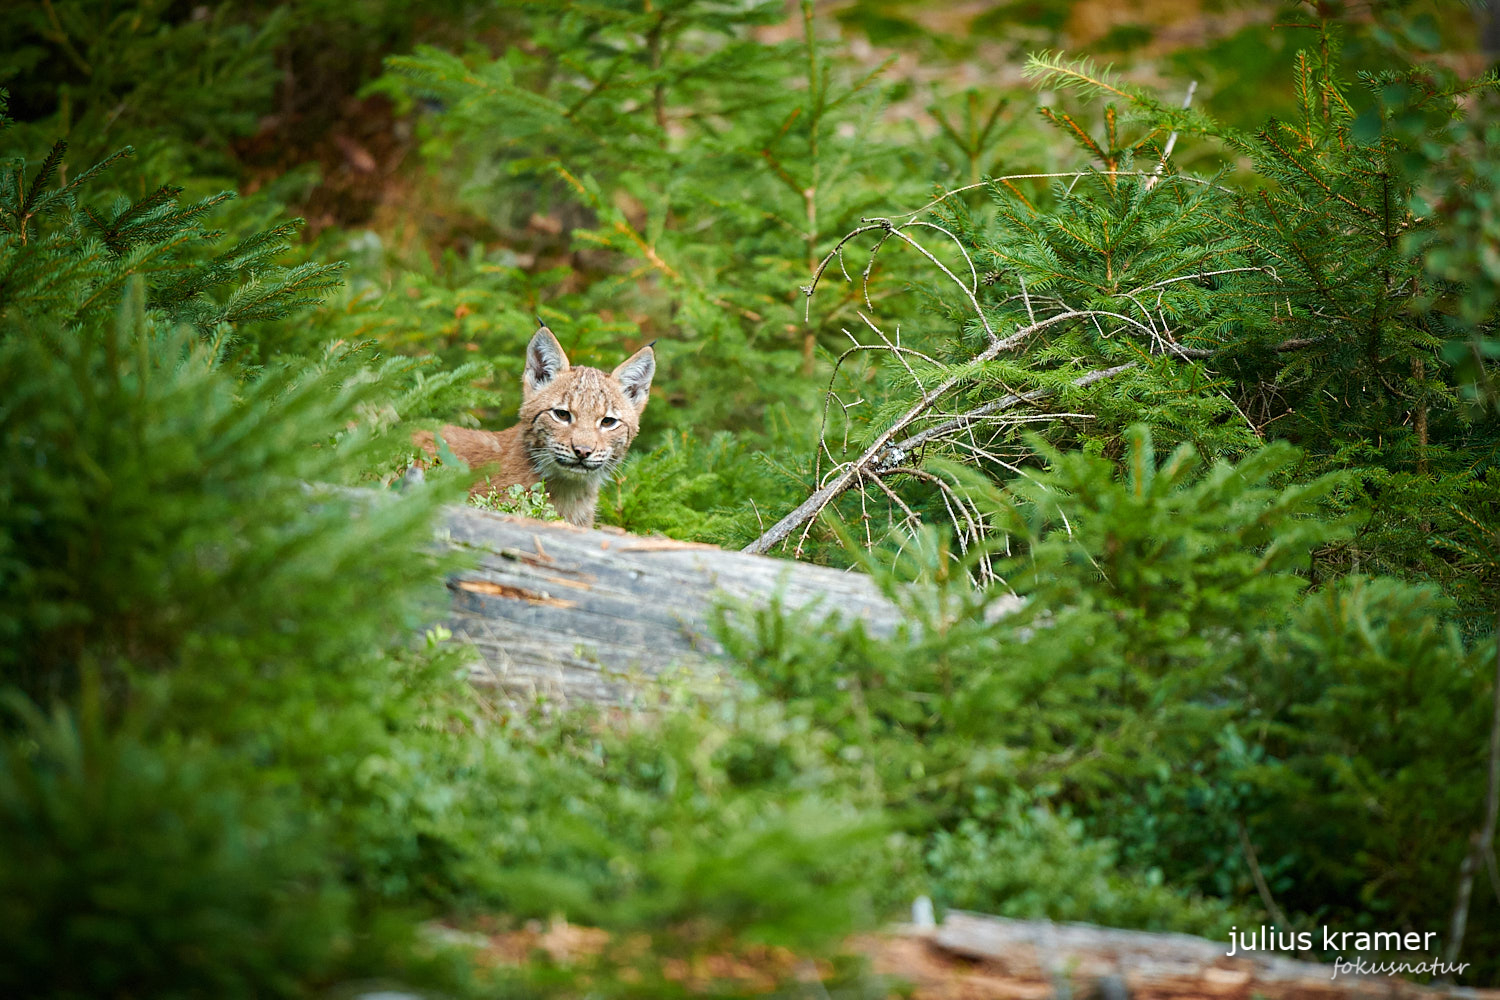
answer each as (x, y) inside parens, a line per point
(576, 426)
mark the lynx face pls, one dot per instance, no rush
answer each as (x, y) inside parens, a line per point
(577, 423)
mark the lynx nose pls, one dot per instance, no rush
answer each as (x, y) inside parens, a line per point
(582, 451)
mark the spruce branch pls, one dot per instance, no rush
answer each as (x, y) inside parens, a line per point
(89, 174)
(44, 174)
(29, 204)
(1082, 75)
(276, 295)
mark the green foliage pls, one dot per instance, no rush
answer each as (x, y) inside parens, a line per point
(147, 483)
(1375, 712)
(473, 305)
(176, 540)
(706, 490)
(716, 823)
(1199, 692)
(1025, 861)
(92, 491)
(163, 540)
(185, 82)
(527, 501)
(1361, 676)
(110, 67)
(136, 869)
(1174, 550)
(1126, 657)
(1352, 707)
(61, 260)
(653, 155)
(1458, 250)
(1128, 638)
(1289, 305)
(1171, 682)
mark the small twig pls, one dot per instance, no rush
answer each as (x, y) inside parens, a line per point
(970, 293)
(898, 351)
(833, 377)
(997, 405)
(836, 252)
(1203, 274)
(947, 492)
(864, 518)
(882, 455)
(973, 271)
(1044, 176)
(1166, 152)
(60, 36)
(1261, 887)
(911, 517)
(1026, 297)
(1208, 352)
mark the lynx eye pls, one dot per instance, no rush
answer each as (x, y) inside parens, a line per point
(562, 416)
(609, 423)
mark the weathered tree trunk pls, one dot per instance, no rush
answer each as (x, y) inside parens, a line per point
(597, 616)
(1036, 959)
(970, 956)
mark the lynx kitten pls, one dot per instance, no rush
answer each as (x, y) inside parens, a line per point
(576, 426)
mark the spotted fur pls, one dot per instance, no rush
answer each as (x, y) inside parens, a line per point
(576, 426)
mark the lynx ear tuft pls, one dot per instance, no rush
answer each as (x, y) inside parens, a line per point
(634, 376)
(545, 360)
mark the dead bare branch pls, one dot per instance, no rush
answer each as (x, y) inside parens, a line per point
(922, 423)
(973, 416)
(1166, 152)
(879, 454)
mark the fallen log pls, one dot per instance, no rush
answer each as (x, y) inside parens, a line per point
(572, 614)
(1005, 959)
(972, 956)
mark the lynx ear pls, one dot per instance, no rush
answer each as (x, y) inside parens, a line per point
(634, 376)
(545, 360)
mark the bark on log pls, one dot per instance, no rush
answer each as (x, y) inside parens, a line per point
(1038, 960)
(971, 956)
(574, 614)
